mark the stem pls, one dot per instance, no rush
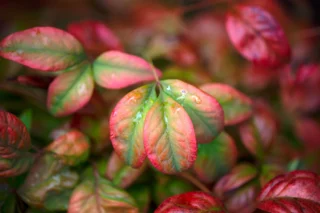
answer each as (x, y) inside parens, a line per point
(201, 5)
(195, 182)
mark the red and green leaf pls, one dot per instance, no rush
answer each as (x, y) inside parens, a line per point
(257, 36)
(237, 107)
(196, 202)
(169, 137)
(115, 70)
(71, 91)
(205, 112)
(127, 122)
(43, 48)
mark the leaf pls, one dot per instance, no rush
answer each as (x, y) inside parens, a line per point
(169, 137)
(99, 195)
(126, 124)
(215, 159)
(26, 118)
(237, 107)
(142, 194)
(205, 112)
(257, 36)
(70, 91)
(196, 202)
(47, 175)
(72, 147)
(57, 201)
(116, 70)
(297, 191)
(95, 36)
(43, 48)
(121, 174)
(14, 145)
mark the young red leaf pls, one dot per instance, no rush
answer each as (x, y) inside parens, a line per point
(126, 124)
(215, 159)
(257, 36)
(121, 174)
(291, 193)
(43, 48)
(115, 70)
(14, 145)
(72, 147)
(169, 137)
(95, 36)
(99, 195)
(70, 91)
(237, 106)
(195, 202)
(205, 112)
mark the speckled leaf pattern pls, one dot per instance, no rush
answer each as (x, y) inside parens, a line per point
(191, 202)
(257, 36)
(43, 48)
(98, 195)
(116, 70)
(71, 91)
(215, 159)
(296, 191)
(205, 112)
(126, 124)
(237, 106)
(169, 137)
(73, 147)
(14, 145)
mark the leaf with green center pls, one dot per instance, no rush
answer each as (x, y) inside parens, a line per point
(215, 159)
(205, 112)
(47, 175)
(43, 48)
(14, 145)
(116, 70)
(72, 147)
(121, 174)
(169, 137)
(98, 195)
(70, 91)
(126, 124)
(237, 107)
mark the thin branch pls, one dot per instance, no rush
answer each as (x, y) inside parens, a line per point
(195, 182)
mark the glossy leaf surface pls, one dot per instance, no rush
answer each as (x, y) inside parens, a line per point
(205, 112)
(115, 70)
(257, 36)
(43, 48)
(169, 137)
(127, 122)
(70, 91)
(195, 202)
(98, 195)
(215, 159)
(14, 145)
(73, 147)
(237, 106)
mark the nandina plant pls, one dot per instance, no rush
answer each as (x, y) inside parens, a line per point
(160, 107)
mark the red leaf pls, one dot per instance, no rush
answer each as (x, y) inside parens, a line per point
(257, 36)
(95, 36)
(191, 202)
(308, 130)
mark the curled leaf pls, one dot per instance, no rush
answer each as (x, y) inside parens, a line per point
(257, 36)
(43, 48)
(70, 91)
(169, 137)
(116, 70)
(237, 106)
(205, 112)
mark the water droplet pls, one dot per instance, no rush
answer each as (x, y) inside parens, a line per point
(165, 119)
(168, 88)
(183, 91)
(196, 99)
(82, 89)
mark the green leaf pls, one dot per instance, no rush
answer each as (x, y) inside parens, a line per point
(98, 195)
(169, 136)
(70, 91)
(57, 201)
(126, 124)
(142, 194)
(43, 48)
(26, 118)
(205, 112)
